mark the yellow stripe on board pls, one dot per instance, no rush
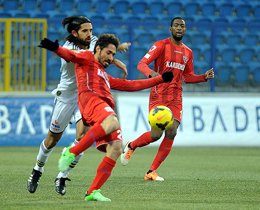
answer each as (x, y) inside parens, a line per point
(15, 57)
(7, 55)
(24, 63)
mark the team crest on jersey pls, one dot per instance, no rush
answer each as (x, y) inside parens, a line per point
(152, 48)
(185, 59)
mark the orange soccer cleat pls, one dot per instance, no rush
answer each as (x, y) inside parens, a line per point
(153, 176)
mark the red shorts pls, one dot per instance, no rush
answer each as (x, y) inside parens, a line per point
(175, 107)
(116, 136)
(96, 111)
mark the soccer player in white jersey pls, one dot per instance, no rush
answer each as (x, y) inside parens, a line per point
(65, 103)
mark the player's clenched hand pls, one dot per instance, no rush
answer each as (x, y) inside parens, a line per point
(49, 45)
(167, 76)
(209, 74)
(123, 47)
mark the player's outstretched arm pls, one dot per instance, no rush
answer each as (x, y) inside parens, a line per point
(123, 47)
(190, 78)
(135, 85)
(49, 45)
(120, 65)
(65, 53)
(209, 74)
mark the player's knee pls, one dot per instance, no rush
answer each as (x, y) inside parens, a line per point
(114, 150)
(117, 151)
(114, 126)
(155, 136)
(79, 136)
(111, 124)
(170, 134)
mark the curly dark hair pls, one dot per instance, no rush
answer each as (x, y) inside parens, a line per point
(105, 39)
(74, 23)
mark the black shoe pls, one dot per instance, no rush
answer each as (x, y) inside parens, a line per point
(33, 181)
(60, 185)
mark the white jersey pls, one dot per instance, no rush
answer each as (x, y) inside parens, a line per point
(67, 90)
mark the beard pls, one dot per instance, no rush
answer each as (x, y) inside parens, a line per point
(100, 59)
(177, 38)
(83, 42)
(105, 66)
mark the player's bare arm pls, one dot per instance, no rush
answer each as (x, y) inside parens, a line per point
(123, 47)
(209, 74)
(154, 74)
(120, 65)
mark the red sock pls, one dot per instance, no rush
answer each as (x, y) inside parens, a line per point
(163, 152)
(103, 173)
(142, 141)
(95, 133)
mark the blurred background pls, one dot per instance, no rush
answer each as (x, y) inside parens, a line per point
(223, 34)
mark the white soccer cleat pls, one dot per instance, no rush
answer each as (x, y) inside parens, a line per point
(126, 154)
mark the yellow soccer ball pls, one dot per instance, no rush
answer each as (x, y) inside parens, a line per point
(161, 118)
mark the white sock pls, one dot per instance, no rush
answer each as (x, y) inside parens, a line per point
(42, 157)
(73, 164)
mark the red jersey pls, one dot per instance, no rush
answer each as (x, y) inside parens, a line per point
(170, 57)
(92, 80)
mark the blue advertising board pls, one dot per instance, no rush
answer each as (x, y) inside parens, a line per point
(25, 122)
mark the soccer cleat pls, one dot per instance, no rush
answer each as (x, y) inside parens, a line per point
(66, 159)
(126, 154)
(33, 181)
(152, 176)
(96, 196)
(60, 185)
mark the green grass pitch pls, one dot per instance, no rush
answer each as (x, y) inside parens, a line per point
(195, 178)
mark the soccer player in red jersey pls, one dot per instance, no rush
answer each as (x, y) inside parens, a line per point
(97, 105)
(66, 102)
(168, 55)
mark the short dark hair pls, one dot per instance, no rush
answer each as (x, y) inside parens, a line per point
(74, 23)
(178, 18)
(105, 39)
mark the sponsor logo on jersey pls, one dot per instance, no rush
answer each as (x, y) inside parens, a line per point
(152, 48)
(178, 51)
(104, 76)
(175, 65)
(185, 59)
(55, 126)
(108, 109)
(147, 55)
(55, 129)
